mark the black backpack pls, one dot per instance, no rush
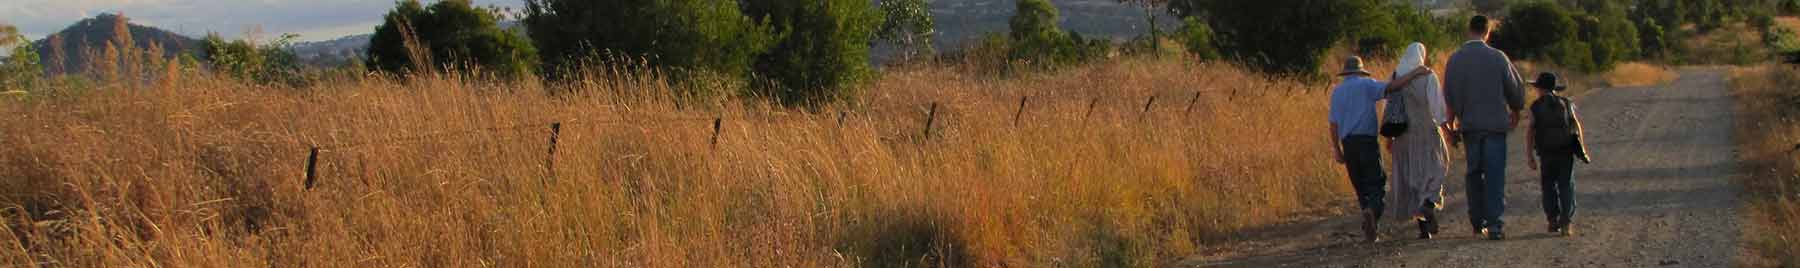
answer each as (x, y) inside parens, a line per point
(1553, 124)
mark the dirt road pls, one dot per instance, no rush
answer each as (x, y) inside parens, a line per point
(1659, 194)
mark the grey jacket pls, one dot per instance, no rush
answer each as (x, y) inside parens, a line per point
(1482, 88)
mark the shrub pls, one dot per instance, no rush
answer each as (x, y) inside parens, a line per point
(682, 36)
(1037, 40)
(273, 63)
(20, 70)
(1387, 29)
(1534, 28)
(1653, 39)
(1309, 29)
(1198, 37)
(821, 51)
(909, 24)
(449, 34)
(1610, 39)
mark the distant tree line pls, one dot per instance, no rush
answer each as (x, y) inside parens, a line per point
(813, 52)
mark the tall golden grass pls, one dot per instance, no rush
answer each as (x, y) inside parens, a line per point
(1769, 135)
(207, 172)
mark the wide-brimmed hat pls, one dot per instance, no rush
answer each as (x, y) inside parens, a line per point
(1353, 65)
(1548, 81)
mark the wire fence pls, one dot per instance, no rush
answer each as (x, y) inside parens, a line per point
(930, 118)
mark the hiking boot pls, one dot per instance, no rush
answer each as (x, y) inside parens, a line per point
(1566, 230)
(1496, 235)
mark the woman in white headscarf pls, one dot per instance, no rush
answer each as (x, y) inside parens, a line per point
(1420, 162)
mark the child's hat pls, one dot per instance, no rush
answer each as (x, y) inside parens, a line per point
(1548, 81)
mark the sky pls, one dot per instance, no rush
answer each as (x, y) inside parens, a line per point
(312, 19)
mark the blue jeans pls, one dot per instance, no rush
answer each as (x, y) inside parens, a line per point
(1486, 181)
(1559, 186)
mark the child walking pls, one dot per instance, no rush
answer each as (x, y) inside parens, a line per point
(1556, 137)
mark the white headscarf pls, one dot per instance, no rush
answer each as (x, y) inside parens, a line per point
(1413, 59)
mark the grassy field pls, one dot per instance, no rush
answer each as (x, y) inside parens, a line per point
(1769, 107)
(204, 172)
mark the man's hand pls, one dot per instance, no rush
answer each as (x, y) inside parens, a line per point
(1337, 155)
(1531, 162)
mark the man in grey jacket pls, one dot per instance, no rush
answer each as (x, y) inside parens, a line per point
(1484, 93)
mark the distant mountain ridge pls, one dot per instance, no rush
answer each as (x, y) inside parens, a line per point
(72, 50)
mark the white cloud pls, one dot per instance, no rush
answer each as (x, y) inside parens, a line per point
(316, 19)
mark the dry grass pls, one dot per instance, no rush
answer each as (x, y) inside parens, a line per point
(1638, 74)
(208, 173)
(1769, 133)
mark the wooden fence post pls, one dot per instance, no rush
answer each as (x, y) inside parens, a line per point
(550, 155)
(312, 163)
(1090, 109)
(930, 117)
(1190, 106)
(1021, 113)
(1146, 112)
(717, 121)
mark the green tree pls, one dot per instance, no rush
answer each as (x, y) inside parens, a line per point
(1533, 29)
(1035, 34)
(1489, 6)
(1308, 29)
(908, 23)
(19, 70)
(1198, 38)
(1151, 9)
(449, 34)
(1611, 40)
(822, 48)
(273, 63)
(681, 36)
(1388, 28)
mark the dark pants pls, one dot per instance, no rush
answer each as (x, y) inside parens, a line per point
(1486, 181)
(1362, 158)
(1558, 180)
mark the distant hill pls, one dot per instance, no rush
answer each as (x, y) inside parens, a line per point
(963, 20)
(334, 52)
(89, 37)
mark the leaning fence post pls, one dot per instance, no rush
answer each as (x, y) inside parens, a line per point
(312, 164)
(1190, 106)
(550, 156)
(930, 117)
(1090, 109)
(1021, 113)
(715, 137)
(1146, 112)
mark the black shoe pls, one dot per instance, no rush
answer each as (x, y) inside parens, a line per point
(1425, 231)
(1496, 235)
(1431, 221)
(1368, 227)
(1555, 225)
